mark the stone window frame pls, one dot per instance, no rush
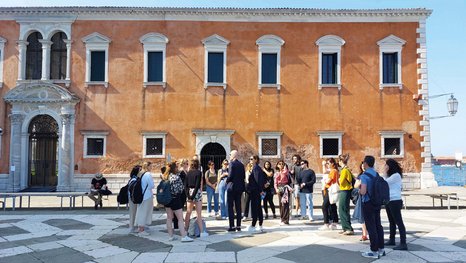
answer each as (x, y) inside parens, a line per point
(215, 44)
(154, 135)
(330, 44)
(154, 42)
(270, 135)
(390, 44)
(269, 44)
(96, 42)
(2, 56)
(392, 134)
(94, 135)
(330, 135)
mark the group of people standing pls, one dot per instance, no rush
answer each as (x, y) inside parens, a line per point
(235, 186)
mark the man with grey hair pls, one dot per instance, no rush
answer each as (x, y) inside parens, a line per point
(235, 189)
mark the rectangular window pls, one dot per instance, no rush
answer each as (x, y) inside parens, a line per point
(330, 147)
(97, 66)
(95, 147)
(154, 146)
(155, 66)
(392, 146)
(269, 69)
(390, 67)
(329, 68)
(215, 67)
(269, 147)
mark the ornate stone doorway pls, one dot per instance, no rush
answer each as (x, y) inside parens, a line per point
(43, 142)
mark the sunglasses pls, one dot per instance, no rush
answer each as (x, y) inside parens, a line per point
(251, 159)
(302, 163)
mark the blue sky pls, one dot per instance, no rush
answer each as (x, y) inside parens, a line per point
(446, 43)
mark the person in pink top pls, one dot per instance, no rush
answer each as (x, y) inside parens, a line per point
(282, 187)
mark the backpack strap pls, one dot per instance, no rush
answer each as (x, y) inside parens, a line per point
(146, 185)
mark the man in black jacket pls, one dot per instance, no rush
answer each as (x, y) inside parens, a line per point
(235, 189)
(306, 181)
(256, 189)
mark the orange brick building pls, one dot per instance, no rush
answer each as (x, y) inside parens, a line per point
(89, 89)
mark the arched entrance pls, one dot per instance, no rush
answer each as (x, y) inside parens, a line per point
(43, 148)
(212, 152)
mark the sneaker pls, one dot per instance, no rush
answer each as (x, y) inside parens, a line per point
(370, 254)
(251, 229)
(261, 229)
(311, 219)
(186, 239)
(245, 219)
(333, 227)
(143, 233)
(401, 247)
(204, 234)
(363, 238)
(324, 228)
(238, 229)
(282, 224)
(231, 229)
(341, 232)
(172, 238)
(274, 216)
(381, 252)
(348, 233)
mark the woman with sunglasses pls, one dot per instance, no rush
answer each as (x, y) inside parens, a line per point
(211, 189)
(329, 210)
(269, 189)
(283, 188)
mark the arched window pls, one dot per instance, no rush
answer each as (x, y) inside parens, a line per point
(58, 56)
(34, 56)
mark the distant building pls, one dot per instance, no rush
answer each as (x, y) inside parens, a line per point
(97, 89)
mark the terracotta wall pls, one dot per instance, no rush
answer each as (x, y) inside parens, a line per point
(299, 109)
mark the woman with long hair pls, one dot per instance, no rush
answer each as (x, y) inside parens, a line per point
(132, 206)
(357, 213)
(176, 204)
(211, 189)
(145, 209)
(283, 188)
(329, 210)
(222, 175)
(269, 189)
(193, 188)
(246, 197)
(346, 187)
(394, 174)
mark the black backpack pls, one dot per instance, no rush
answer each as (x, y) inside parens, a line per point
(164, 195)
(136, 192)
(380, 194)
(122, 197)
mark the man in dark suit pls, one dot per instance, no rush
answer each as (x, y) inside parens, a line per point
(236, 176)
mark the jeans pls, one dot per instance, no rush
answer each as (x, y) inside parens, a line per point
(394, 217)
(373, 225)
(305, 200)
(344, 209)
(211, 193)
(222, 197)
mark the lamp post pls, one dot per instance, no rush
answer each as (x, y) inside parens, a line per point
(452, 105)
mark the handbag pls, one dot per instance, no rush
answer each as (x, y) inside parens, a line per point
(333, 193)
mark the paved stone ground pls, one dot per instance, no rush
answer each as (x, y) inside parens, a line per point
(434, 235)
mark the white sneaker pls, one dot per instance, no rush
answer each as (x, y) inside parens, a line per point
(251, 229)
(324, 228)
(333, 227)
(186, 239)
(370, 254)
(172, 238)
(261, 229)
(204, 234)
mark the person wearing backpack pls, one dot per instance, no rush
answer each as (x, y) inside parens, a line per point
(346, 187)
(132, 206)
(394, 174)
(370, 210)
(145, 209)
(176, 204)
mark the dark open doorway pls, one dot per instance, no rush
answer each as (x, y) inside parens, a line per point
(212, 152)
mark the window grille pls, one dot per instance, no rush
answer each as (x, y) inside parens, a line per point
(330, 147)
(154, 146)
(95, 146)
(269, 147)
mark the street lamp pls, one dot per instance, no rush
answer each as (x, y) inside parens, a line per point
(452, 105)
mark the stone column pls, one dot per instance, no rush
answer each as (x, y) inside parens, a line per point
(22, 59)
(15, 152)
(66, 173)
(68, 58)
(45, 59)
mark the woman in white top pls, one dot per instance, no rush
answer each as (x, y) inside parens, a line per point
(144, 211)
(132, 206)
(394, 173)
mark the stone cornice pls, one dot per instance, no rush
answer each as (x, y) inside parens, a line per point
(220, 14)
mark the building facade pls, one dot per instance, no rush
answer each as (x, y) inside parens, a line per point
(98, 89)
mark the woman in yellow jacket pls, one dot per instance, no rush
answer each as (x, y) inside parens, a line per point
(346, 186)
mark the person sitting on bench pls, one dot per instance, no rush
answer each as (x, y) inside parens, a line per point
(99, 188)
